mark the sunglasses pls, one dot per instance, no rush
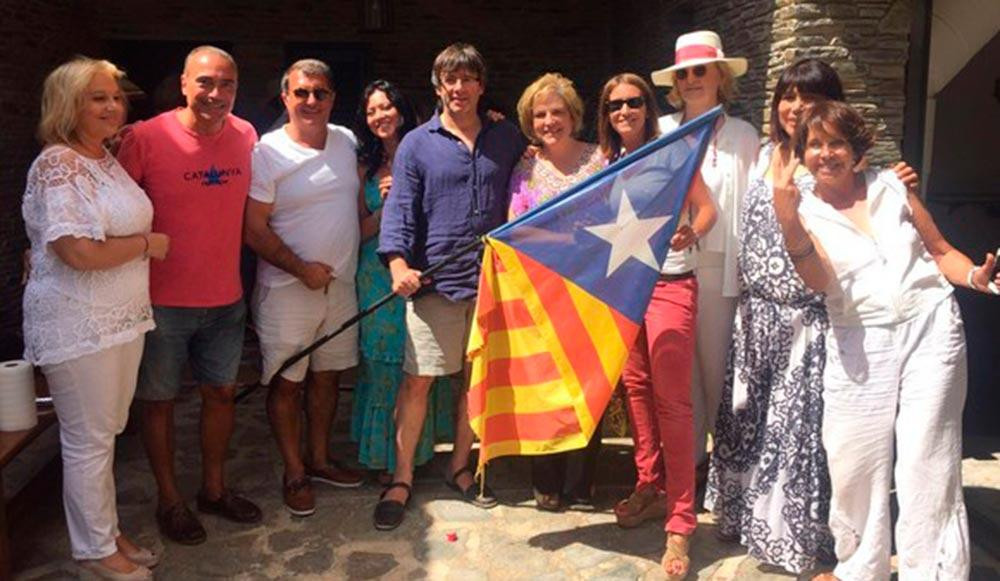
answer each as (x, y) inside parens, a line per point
(633, 103)
(698, 71)
(318, 94)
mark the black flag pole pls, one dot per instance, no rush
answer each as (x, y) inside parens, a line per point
(424, 276)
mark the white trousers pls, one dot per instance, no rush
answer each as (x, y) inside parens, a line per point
(713, 335)
(91, 395)
(899, 386)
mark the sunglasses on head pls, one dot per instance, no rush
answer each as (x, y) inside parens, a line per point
(633, 103)
(318, 94)
(698, 71)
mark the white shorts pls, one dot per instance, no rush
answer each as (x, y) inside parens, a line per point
(289, 318)
(437, 331)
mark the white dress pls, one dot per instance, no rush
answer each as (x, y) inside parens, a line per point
(69, 313)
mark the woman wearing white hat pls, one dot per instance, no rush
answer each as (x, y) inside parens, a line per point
(701, 78)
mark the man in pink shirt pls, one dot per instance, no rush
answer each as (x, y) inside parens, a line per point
(194, 164)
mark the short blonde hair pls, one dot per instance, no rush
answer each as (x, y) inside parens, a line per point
(549, 83)
(63, 97)
(727, 88)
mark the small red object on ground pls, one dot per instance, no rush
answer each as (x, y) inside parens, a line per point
(452, 537)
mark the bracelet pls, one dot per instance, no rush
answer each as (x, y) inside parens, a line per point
(968, 278)
(797, 255)
(145, 249)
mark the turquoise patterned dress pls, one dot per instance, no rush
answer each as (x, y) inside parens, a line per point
(381, 370)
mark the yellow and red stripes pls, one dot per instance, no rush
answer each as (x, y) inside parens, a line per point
(545, 356)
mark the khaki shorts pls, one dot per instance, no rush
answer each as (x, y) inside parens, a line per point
(290, 317)
(437, 331)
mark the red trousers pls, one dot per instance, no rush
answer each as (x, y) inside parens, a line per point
(657, 381)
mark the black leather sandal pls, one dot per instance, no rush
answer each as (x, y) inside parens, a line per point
(389, 513)
(471, 493)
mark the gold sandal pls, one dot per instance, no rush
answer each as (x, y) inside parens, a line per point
(677, 550)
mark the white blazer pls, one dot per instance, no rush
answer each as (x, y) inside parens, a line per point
(726, 170)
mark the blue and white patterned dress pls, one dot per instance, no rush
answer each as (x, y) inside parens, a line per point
(768, 484)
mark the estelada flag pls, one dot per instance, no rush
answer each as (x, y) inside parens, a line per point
(562, 294)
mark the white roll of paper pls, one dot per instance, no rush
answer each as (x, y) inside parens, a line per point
(17, 396)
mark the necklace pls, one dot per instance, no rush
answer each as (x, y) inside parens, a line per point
(715, 142)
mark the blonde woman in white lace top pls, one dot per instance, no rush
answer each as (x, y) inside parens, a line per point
(86, 304)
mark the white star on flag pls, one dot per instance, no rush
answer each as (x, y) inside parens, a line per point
(629, 236)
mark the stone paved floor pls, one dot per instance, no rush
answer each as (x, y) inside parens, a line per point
(442, 538)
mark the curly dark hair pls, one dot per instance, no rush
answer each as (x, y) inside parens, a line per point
(371, 152)
(844, 119)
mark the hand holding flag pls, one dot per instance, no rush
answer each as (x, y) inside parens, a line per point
(562, 295)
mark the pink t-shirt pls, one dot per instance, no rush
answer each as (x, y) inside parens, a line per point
(198, 185)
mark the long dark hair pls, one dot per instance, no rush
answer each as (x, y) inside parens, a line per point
(371, 152)
(809, 77)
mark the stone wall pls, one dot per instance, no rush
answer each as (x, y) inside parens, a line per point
(745, 28)
(866, 41)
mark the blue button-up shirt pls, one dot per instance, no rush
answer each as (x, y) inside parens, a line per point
(444, 196)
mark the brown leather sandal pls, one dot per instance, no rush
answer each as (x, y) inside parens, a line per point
(642, 505)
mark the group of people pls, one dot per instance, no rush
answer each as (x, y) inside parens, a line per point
(805, 302)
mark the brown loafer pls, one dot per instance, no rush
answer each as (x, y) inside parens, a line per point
(299, 499)
(336, 474)
(232, 507)
(179, 524)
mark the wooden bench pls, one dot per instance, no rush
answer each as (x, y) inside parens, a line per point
(11, 444)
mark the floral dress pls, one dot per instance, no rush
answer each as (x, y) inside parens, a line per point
(768, 484)
(382, 335)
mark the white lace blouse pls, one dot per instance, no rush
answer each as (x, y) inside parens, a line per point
(69, 313)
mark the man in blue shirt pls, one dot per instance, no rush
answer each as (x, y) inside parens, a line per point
(449, 186)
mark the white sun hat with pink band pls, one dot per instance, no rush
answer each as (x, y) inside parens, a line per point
(698, 48)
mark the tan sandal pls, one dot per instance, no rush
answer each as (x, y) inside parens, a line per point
(642, 505)
(547, 502)
(677, 550)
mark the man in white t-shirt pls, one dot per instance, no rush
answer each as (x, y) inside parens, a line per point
(302, 221)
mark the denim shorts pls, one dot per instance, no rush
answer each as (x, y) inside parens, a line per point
(209, 338)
